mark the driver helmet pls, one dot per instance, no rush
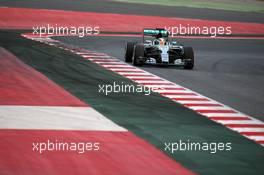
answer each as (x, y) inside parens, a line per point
(162, 41)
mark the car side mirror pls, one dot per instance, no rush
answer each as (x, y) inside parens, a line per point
(148, 41)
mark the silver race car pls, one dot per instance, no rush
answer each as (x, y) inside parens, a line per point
(157, 49)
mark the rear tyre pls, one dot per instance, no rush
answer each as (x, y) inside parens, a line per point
(138, 55)
(188, 57)
(129, 51)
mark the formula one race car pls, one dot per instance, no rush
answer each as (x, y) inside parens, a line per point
(156, 49)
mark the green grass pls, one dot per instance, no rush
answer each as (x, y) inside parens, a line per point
(233, 6)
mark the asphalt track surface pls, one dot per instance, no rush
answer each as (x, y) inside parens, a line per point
(229, 71)
(105, 6)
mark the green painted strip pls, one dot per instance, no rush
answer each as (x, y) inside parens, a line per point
(153, 118)
(224, 5)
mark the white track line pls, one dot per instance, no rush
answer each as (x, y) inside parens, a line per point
(249, 129)
(102, 59)
(196, 102)
(55, 117)
(124, 70)
(95, 56)
(162, 86)
(183, 96)
(133, 73)
(207, 108)
(223, 114)
(151, 81)
(257, 138)
(143, 78)
(104, 63)
(114, 65)
(236, 121)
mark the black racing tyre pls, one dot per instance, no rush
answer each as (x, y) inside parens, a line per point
(138, 54)
(129, 51)
(188, 54)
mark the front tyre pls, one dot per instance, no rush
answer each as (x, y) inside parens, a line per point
(129, 51)
(138, 55)
(188, 58)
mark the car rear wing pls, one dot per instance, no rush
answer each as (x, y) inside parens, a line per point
(157, 33)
